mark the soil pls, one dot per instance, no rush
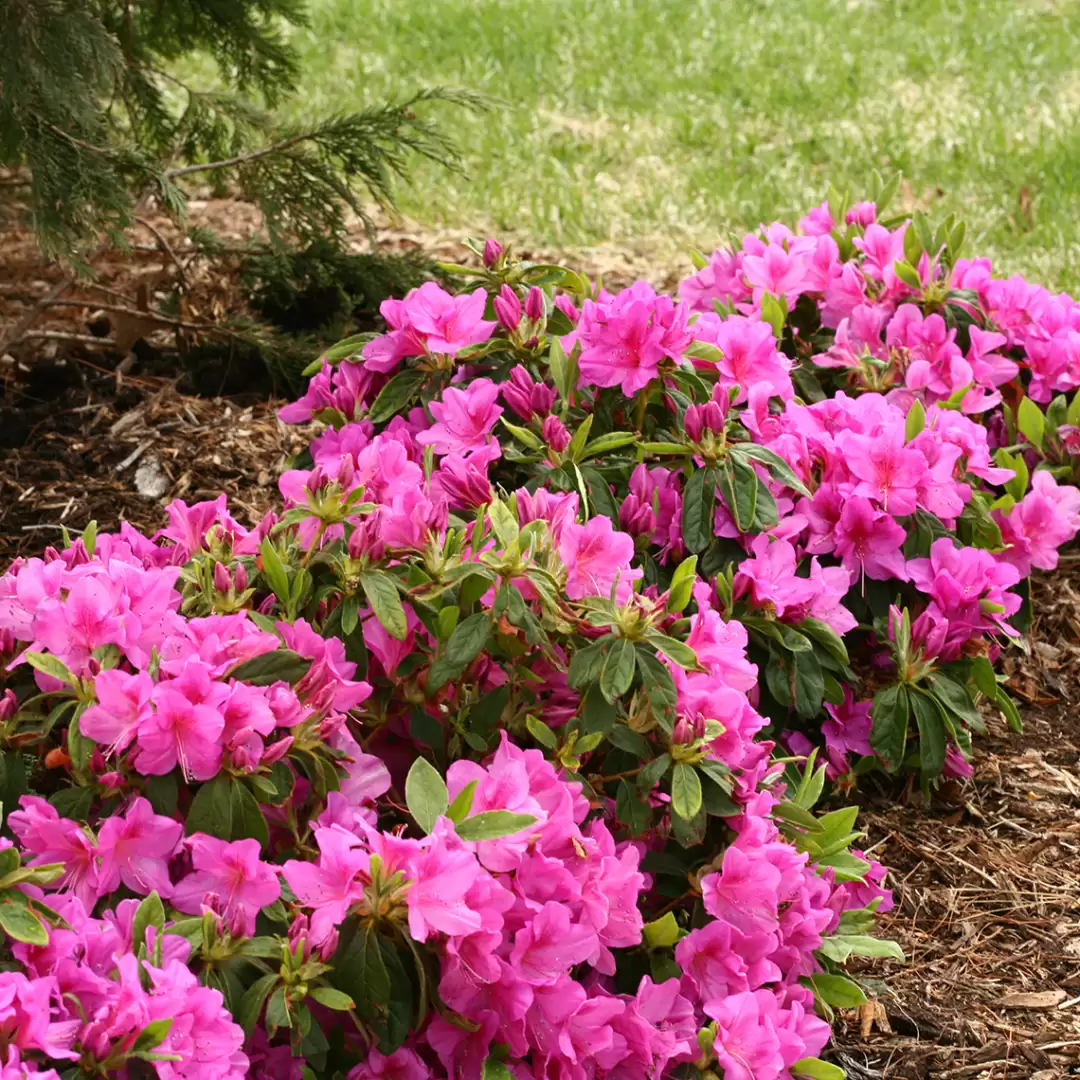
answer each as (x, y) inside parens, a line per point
(986, 876)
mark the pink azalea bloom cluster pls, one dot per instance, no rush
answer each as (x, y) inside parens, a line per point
(86, 994)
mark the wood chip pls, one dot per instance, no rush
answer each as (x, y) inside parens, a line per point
(1045, 999)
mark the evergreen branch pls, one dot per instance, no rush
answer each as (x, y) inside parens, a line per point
(242, 159)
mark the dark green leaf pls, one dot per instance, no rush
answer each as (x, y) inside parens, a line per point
(618, 669)
(932, 740)
(468, 639)
(396, 394)
(631, 809)
(212, 808)
(248, 821)
(888, 736)
(282, 665)
(385, 600)
(698, 509)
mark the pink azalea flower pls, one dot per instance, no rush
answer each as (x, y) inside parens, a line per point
(53, 839)
(595, 556)
(136, 850)
(180, 732)
(232, 873)
(869, 541)
(448, 323)
(123, 705)
(464, 418)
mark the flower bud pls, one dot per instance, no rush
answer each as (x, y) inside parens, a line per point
(9, 705)
(508, 308)
(93, 667)
(693, 423)
(683, 733)
(240, 578)
(527, 398)
(699, 726)
(863, 213)
(493, 252)
(285, 705)
(51, 554)
(222, 581)
(567, 307)
(555, 434)
(317, 480)
(636, 517)
(534, 304)
(346, 472)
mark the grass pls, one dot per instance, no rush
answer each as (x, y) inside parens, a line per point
(678, 122)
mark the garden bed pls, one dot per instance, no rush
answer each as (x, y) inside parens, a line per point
(986, 876)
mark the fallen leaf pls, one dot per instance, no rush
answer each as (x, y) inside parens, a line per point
(872, 1015)
(1044, 999)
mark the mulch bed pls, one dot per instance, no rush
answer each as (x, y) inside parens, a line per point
(987, 877)
(987, 884)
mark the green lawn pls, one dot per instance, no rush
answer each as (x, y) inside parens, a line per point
(675, 121)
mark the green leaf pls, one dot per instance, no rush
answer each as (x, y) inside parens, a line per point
(20, 923)
(281, 665)
(685, 791)
(816, 1069)
(495, 1070)
(888, 735)
(337, 1000)
(698, 509)
(396, 394)
(604, 444)
(524, 435)
(360, 971)
(154, 1034)
(907, 274)
(955, 699)
(777, 466)
(682, 584)
(1009, 711)
(1031, 422)
(774, 312)
(493, 824)
(738, 483)
(841, 947)
(564, 370)
(916, 421)
(459, 809)
(837, 990)
(277, 1011)
(662, 933)
(382, 594)
(52, 666)
(809, 685)
(618, 671)
(677, 651)
(468, 639)
(150, 912)
(659, 687)
(273, 570)
(248, 821)
(622, 737)
(932, 737)
(825, 635)
(541, 732)
(212, 808)
(630, 808)
(425, 794)
(72, 802)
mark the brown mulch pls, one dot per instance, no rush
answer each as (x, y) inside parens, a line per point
(987, 885)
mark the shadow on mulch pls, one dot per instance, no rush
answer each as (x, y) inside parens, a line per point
(987, 884)
(112, 448)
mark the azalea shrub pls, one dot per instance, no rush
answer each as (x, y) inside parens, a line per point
(500, 750)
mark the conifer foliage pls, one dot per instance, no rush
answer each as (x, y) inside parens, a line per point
(92, 107)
